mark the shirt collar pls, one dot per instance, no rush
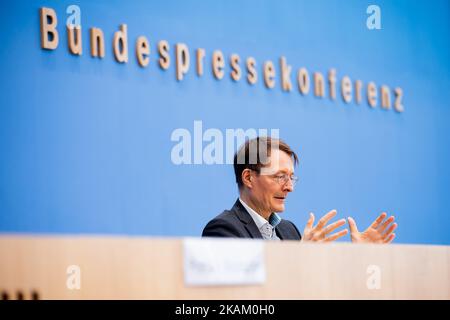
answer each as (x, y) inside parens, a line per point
(259, 220)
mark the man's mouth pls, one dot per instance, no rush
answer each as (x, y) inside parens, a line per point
(280, 198)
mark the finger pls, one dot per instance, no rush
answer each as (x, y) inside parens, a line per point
(352, 225)
(333, 226)
(336, 235)
(390, 230)
(378, 220)
(386, 224)
(310, 222)
(390, 238)
(324, 220)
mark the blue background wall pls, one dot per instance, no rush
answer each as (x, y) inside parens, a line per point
(85, 143)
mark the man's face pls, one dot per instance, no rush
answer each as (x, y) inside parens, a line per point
(267, 192)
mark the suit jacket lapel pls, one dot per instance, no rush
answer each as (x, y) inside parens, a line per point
(280, 232)
(247, 220)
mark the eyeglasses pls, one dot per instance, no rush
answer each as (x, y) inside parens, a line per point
(282, 179)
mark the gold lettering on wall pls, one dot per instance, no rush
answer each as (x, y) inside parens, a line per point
(332, 83)
(235, 68)
(269, 74)
(319, 85)
(372, 94)
(74, 40)
(303, 81)
(252, 74)
(164, 58)
(218, 63)
(385, 97)
(97, 43)
(200, 59)
(49, 34)
(398, 100)
(142, 51)
(182, 60)
(358, 88)
(346, 89)
(286, 69)
(49, 40)
(120, 44)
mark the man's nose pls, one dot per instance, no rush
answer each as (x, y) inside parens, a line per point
(288, 186)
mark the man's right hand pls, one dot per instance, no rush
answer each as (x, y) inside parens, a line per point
(321, 232)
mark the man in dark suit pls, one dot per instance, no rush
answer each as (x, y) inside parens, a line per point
(264, 170)
(237, 223)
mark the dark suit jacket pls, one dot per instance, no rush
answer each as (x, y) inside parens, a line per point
(237, 223)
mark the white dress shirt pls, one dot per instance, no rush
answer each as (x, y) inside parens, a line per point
(266, 229)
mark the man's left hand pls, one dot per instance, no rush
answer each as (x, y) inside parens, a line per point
(378, 232)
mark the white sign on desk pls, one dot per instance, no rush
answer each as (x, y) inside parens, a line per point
(210, 261)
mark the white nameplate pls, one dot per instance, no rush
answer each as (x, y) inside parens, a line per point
(218, 261)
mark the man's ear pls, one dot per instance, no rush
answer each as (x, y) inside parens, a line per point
(247, 178)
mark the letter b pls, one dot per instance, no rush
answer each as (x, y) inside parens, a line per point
(49, 34)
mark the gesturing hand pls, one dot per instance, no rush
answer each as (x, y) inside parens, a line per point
(320, 231)
(376, 233)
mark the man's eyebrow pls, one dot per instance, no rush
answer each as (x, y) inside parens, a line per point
(286, 171)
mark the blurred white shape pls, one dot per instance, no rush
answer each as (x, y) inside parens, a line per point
(217, 261)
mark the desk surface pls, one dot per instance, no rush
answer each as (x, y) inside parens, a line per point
(152, 268)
